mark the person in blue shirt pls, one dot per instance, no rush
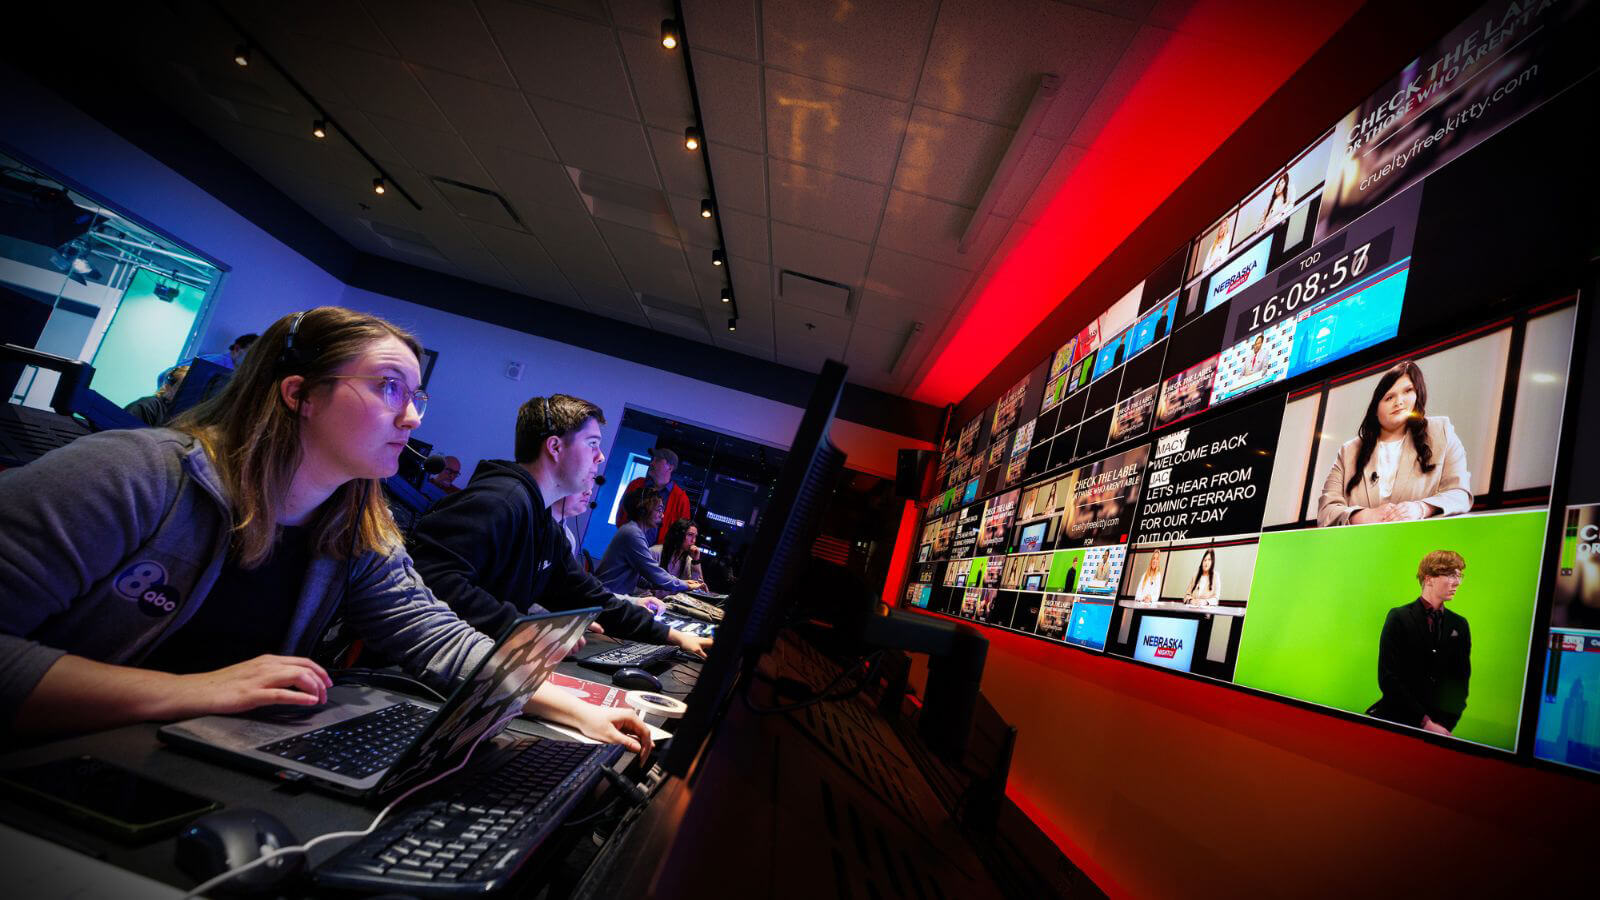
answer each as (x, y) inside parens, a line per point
(628, 562)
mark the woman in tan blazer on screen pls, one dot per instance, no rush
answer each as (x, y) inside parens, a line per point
(1403, 466)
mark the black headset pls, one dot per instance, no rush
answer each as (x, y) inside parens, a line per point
(292, 357)
(549, 423)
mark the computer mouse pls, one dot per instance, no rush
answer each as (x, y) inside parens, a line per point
(226, 840)
(635, 680)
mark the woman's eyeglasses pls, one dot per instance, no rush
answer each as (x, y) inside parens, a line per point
(395, 393)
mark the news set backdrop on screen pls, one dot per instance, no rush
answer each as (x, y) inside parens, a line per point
(1425, 623)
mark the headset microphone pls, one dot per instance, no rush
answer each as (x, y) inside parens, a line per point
(432, 465)
(599, 480)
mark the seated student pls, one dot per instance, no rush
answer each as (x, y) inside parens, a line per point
(157, 408)
(663, 463)
(683, 560)
(158, 574)
(495, 549)
(568, 508)
(627, 563)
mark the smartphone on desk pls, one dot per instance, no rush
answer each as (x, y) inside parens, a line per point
(105, 798)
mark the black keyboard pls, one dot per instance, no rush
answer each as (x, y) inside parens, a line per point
(356, 748)
(632, 654)
(477, 838)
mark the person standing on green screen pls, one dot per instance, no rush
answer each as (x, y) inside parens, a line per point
(1425, 652)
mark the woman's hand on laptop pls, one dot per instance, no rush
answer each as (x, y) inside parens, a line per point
(264, 681)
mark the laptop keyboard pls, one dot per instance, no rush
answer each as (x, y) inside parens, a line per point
(629, 654)
(477, 838)
(356, 748)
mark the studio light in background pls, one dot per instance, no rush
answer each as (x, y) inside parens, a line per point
(733, 324)
(727, 295)
(691, 138)
(377, 186)
(319, 129)
(670, 33)
(241, 54)
(706, 209)
(167, 292)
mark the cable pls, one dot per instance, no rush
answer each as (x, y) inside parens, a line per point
(377, 678)
(204, 886)
(677, 672)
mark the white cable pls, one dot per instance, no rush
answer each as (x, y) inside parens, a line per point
(204, 886)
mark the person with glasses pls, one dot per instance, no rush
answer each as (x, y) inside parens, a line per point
(1425, 652)
(445, 481)
(165, 573)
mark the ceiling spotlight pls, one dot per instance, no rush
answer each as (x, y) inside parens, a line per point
(706, 209)
(669, 33)
(727, 295)
(319, 129)
(241, 54)
(717, 258)
(691, 138)
(377, 186)
(733, 324)
(167, 292)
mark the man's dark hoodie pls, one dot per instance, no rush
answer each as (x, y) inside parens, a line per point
(494, 552)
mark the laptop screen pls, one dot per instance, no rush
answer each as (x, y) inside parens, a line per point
(491, 697)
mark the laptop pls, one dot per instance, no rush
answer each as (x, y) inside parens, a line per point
(374, 744)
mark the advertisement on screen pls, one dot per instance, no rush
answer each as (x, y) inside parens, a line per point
(1102, 570)
(1490, 70)
(997, 515)
(1577, 593)
(1089, 623)
(1132, 416)
(1166, 641)
(1339, 617)
(1254, 362)
(1210, 479)
(1152, 326)
(1104, 494)
(1186, 393)
(1110, 356)
(1569, 704)
(1008, 406)
(1054, 612)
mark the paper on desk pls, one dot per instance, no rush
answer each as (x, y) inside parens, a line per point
(598, 694)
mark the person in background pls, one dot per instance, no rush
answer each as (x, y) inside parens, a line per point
(679, 554)
(163, 573)
(663, 463)
(240, 345)
(627, 562)
(495, 550)
(1206, 589)
(157, 408)
(1149, 589)
(571, 507)
(446, 479)
(1425, 652)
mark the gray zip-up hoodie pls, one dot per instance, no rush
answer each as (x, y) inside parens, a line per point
(110, 544)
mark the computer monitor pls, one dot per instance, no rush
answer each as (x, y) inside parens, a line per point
(756, 609)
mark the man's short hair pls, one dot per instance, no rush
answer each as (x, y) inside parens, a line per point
(663, 453)
(1440, 562)
(558, 414)
(244, 341)
(638, 502)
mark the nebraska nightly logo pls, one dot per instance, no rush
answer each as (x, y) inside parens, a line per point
(1164, 647)
(1235, 281)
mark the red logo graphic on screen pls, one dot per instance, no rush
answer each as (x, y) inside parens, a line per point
(1165, 647)
(1235, 282)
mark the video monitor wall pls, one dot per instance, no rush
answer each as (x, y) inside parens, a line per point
(1281, 463)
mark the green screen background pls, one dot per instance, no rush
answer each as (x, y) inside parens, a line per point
(1059, 564)
(1320, 596)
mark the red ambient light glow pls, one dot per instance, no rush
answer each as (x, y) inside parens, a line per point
(1216, 69)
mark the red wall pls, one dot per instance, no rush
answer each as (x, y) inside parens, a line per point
(1161, 786)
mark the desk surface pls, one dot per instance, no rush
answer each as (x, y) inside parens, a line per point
(305, 811)
(1180, 606)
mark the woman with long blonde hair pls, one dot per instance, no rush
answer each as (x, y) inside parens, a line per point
(164, 573)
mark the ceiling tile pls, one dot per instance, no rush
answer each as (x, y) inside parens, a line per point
(835, 128)
(870, 353)
(1067, 159)
(340, 21)
(723, 26)
(752, 283)
(1037, 155)
(485, 114)
(361, 129)
(906, 277)
(683, 171)
(444, 34)
(931, 229)
(379, 84)
(538, 189)
(875, 310)
(949, 157)
(805, 339)
(523, 256)
(659, 81)
(987, 55)
(597, 142)
(652, 264)
(432, 152)
(1127, 9)
(730, 100)
(556, 55)
(640, 15)
(1141, 53)
(819, 255)
(823, 201)
(877, 46)
(746, 235)
(741, 179)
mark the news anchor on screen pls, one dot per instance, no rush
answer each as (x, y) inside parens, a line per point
(1149, 589)
(1404, 465)
(1206, 589)
(1425, 652)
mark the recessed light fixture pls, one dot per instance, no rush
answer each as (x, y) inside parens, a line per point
(717, 258)
(377, 186)
(670, 33)
(241, 54)
(706, 209)
(691, 138)
(319, 129)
